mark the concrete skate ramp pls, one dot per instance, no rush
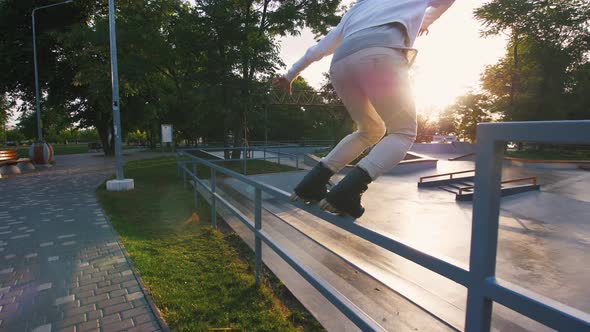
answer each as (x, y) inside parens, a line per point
(542, 236)
(413, 162)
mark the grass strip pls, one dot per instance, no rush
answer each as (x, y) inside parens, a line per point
(200, 278)
(551, 154)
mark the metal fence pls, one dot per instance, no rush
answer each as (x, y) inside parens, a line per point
(479, 278)
(269, 153)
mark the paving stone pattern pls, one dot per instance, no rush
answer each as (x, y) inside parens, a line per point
(61, 265)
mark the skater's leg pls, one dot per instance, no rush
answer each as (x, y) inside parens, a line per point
(383, 78)
(388, 89)
(370, 127)
(313, 186)
(370, 130)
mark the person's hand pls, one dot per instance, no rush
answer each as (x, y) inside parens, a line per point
(282, 83)
(423, 31)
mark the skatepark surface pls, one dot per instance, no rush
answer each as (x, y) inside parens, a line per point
(544, 246)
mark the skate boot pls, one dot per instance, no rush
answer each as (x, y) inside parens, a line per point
(313, 186)
(345, 197)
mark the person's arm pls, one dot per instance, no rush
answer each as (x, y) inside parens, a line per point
(324, 47)
(435, 11)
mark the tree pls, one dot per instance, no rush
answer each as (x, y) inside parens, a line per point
(447, 124)
(251, 51)
(4, 115)
(548, 47)
(206, 89)
(15, 135)
(462, 117)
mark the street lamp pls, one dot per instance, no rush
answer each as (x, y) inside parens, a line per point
(40, 153)
(37, 98)
(120, 183)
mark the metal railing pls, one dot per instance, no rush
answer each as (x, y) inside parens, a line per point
(268, 153)
(450, 175)
(531, 179)
(349, 309)
(484, 288)
(479, 278)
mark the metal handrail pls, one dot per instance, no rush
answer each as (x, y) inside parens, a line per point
(245, 159)
(533, 179)
(485, 289)
(357, 316)
(422, 178)
(482, 286)
(453, 271)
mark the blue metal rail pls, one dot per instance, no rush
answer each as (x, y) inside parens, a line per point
(479, 278)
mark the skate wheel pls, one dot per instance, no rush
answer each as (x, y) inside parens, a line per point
(296, 198)
(324, 205)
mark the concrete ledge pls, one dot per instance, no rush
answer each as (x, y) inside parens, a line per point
(43, 166)
(9, 170)
(120, 185)
(26, 166)
(413, 162)
(444, 148)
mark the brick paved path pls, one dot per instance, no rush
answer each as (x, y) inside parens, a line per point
(61, 265)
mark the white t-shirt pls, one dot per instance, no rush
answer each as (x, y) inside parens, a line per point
(412, 14)
(391, 35)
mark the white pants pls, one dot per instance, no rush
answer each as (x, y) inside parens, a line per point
(374, 86)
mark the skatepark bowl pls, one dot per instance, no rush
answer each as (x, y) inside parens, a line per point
(478, 278)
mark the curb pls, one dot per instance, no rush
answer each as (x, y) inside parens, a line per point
(159, 318)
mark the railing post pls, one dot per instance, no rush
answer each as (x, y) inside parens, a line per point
(279, 157)
(257, 240)
(244, 160)
(213, 200)
(195, 184)
(184, 174)
(178, 164)
(264, 149)
(484, 230)
(297, 161)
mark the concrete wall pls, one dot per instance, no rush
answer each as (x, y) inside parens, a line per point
(412, 163)
(545, 164)
(446, 148)
(296, 149)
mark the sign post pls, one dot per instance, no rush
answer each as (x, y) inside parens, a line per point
(166, 135)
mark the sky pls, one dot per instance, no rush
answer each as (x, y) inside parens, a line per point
(449, 63)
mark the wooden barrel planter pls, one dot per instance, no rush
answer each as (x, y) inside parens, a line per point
(41, 153)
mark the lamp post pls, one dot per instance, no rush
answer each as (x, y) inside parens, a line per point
(120, 183)
(40, 153)
(37, 98)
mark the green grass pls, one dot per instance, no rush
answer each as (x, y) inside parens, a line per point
(200, 278)
(551, 154)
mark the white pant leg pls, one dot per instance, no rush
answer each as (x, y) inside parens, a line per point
(386, 83)
(374, 86)
(370, 127)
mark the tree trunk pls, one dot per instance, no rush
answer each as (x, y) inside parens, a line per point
(514, 76)
(238, 135)
(107, 146)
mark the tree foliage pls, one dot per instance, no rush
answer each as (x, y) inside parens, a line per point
(201, 67)
(542, 75)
